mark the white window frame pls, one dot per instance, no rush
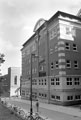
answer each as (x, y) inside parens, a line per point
(68, 64)
(53, 97)
(57, 64)
(74, 47)
(75, 64)
(76, 81)
(52, 81)
(67, 46)
(77, 97)
(69, 81)
(57, 81)
(52, 65)
(70, 98)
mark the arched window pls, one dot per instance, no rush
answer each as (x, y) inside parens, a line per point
(15, 80)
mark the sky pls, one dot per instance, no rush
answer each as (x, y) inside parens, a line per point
(17, 21)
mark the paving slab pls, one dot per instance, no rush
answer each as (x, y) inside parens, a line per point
(5, 114)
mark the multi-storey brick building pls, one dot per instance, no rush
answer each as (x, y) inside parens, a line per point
(56, 72)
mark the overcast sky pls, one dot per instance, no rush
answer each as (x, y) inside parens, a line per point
(17, 20)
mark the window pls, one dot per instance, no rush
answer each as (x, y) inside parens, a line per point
(53, 33)
(53, 96)
(34, 95)
(58, 97)
(77, 97)
(67, 46)
(57, 81)
(52, 65)
(41, 68)
(39, 94)
(42, 81)
(69, 81)
(69, 97)
(42, 94)
(57, 64)
(15, 80)
(45, 81)
(39, 82)
(45, 95)
(23, 92)
(74, 47)
(75, 64)
(76, 81)
(27, 93)
(34, 82)
(52, 81)
(68, 64)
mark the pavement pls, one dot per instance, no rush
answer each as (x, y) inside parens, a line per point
(70, 110)
(5, 114)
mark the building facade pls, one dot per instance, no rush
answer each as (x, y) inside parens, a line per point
(4, 86)
(11, 82)
(56, 71)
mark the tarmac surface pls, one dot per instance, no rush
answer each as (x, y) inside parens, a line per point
(5, 114)
(52, 112)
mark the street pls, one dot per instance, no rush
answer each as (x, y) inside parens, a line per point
(50, 114)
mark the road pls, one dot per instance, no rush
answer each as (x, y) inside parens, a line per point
(50, 114)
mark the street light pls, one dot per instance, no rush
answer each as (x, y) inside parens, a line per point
(31, 109)
(38, 24)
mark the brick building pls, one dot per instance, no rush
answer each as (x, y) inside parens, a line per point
(56, 72)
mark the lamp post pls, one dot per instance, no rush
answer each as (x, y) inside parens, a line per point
(31, 109)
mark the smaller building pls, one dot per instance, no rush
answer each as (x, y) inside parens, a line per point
(10, 82)
(4, 86)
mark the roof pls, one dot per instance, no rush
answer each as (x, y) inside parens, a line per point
(28, 40)
(50, 20)
(64, 15)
